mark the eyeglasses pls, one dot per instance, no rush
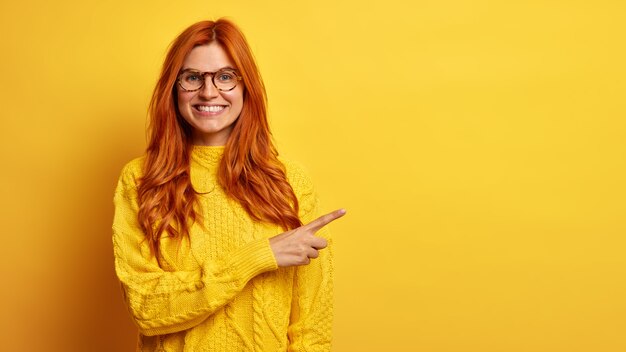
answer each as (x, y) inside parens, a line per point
(224, 80)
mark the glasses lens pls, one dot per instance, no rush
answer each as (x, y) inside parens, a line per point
(191, 80)
(225, 79)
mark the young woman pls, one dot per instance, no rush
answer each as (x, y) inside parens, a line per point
(217, 245)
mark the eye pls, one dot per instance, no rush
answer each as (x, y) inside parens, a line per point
(192, 77)
(226, 76)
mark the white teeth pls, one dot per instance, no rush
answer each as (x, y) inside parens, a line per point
(210, 108)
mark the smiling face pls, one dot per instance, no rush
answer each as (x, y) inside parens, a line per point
(210, 113)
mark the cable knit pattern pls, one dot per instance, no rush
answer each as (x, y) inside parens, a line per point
(221, 290)
(257, 317)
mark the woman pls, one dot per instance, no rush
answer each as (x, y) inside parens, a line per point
(208, 232)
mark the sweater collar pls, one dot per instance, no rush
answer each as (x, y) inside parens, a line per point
(207, 156)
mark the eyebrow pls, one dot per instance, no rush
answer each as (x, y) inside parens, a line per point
(219, 69)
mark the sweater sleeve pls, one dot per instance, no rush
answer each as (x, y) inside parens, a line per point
(163, 302)
(310, 327)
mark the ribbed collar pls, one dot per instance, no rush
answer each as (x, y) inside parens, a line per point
(208, 156)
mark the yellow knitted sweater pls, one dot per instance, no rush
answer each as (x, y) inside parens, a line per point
(222, 290)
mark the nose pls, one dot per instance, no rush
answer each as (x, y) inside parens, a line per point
(209, 90)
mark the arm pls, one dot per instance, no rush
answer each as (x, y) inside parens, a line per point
(163, 302)
(310, 326)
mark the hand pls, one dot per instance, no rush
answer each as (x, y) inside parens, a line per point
(298, 246)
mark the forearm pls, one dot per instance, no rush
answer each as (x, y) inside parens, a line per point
(163, 302)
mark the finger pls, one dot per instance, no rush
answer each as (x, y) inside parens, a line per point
(313, 253)
(317, 242)
(324, 220)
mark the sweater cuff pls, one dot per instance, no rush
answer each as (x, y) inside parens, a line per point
(253, 259)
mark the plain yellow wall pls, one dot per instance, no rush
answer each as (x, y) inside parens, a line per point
(479, 147)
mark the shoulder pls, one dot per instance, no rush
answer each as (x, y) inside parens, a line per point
(131, 172)
(297, 176)
(299, 179)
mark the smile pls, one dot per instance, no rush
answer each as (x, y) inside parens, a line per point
(210, 108)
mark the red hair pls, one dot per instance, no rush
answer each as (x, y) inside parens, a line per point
(249, 172)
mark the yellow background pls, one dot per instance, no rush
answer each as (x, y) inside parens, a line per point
(479, 147)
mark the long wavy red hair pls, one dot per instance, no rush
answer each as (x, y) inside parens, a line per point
(249, 172)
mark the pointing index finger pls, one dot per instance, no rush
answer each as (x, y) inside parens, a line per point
(324, 220)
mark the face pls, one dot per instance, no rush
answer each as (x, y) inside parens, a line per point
(211, 113)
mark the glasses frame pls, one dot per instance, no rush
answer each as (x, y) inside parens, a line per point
(204, 74)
